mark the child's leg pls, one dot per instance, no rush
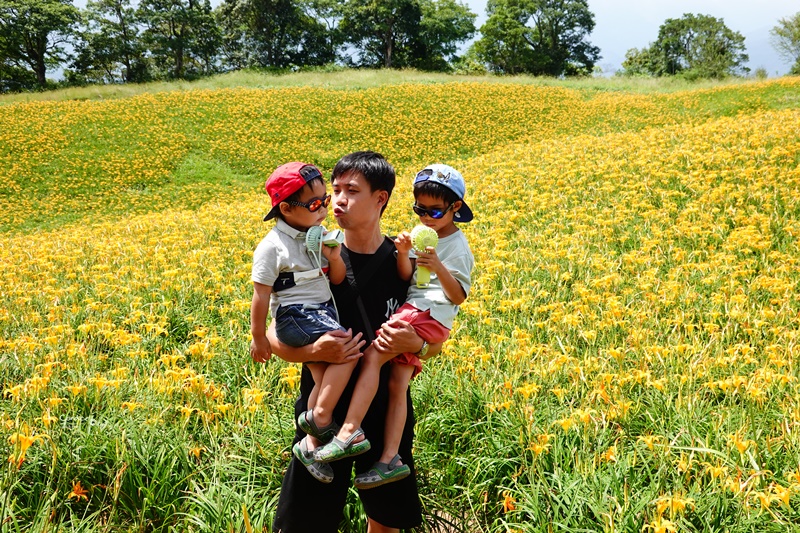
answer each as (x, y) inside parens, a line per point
(366, 387)
(333, 382)
(318, 373)
(397, 411)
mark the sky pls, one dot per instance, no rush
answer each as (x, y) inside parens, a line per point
(624, 24)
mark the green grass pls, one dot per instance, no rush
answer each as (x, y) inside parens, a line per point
(349, 79)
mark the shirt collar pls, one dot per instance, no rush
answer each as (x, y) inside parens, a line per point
(283, 227)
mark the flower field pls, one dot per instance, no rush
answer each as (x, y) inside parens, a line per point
(625, 362)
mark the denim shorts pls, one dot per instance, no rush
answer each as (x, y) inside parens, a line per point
(301, 324)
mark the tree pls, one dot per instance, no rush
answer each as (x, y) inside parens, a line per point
(405, 33)
(694, 46)
(638, 63)
(540, 37)
(110, 49)
(275, 33)
(32, 35)
(182, 36)
(786, 40)
(385, 33)
(444, 25)
(14, 78)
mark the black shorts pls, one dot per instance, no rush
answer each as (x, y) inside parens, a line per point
(309, 506)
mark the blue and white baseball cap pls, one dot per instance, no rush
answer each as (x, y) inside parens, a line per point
(453, 180)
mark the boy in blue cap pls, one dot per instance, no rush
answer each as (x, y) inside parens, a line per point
(439, 202)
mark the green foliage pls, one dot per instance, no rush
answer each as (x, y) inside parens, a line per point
(445, 24)
(786, 40)
(540, 37)
(405, 33)
(694, 47)
(181, 35)
(469, 63)
(14, 78)
(110, 49)
(385, 33)
(274, 33)
(637, 62)
(32, 35)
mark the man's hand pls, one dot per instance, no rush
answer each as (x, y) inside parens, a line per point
(336, 347)
(260, 350)
(397, 336)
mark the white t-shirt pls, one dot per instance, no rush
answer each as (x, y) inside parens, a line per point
(282, 261)
(454, 253)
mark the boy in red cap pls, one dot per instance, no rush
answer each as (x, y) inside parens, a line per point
(289, 281)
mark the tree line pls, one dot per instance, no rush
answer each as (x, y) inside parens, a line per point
(125, 41)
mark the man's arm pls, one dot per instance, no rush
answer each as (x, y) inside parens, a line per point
(397, 336)
(334, 347)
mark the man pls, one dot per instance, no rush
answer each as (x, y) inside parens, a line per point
(362, 185)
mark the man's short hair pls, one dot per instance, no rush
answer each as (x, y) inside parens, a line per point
(373, 166)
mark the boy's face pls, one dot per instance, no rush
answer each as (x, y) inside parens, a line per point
(301, 218)
(430, 203)
(355, 204)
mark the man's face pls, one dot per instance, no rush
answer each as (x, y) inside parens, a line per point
(355, 204)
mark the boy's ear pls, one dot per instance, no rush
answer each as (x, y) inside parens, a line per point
(456, 206)
(285, 208)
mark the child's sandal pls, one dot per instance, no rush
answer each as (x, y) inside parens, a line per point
(337, 449)
(306, 422)
(322, 472)
(382, 473)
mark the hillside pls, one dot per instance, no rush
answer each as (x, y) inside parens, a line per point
(625, 360)
(61, 161)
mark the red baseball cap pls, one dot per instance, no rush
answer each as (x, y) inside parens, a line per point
(287, 180)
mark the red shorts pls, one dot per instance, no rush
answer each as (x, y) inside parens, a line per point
(426, 327)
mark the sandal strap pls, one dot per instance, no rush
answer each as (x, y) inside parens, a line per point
(351, 438)
(317, 431)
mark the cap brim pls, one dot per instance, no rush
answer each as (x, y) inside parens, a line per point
(464, 214)
(272, 213)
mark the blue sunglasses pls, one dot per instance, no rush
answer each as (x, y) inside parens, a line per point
(433, 213)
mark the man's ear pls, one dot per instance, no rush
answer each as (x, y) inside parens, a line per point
(383, 198)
